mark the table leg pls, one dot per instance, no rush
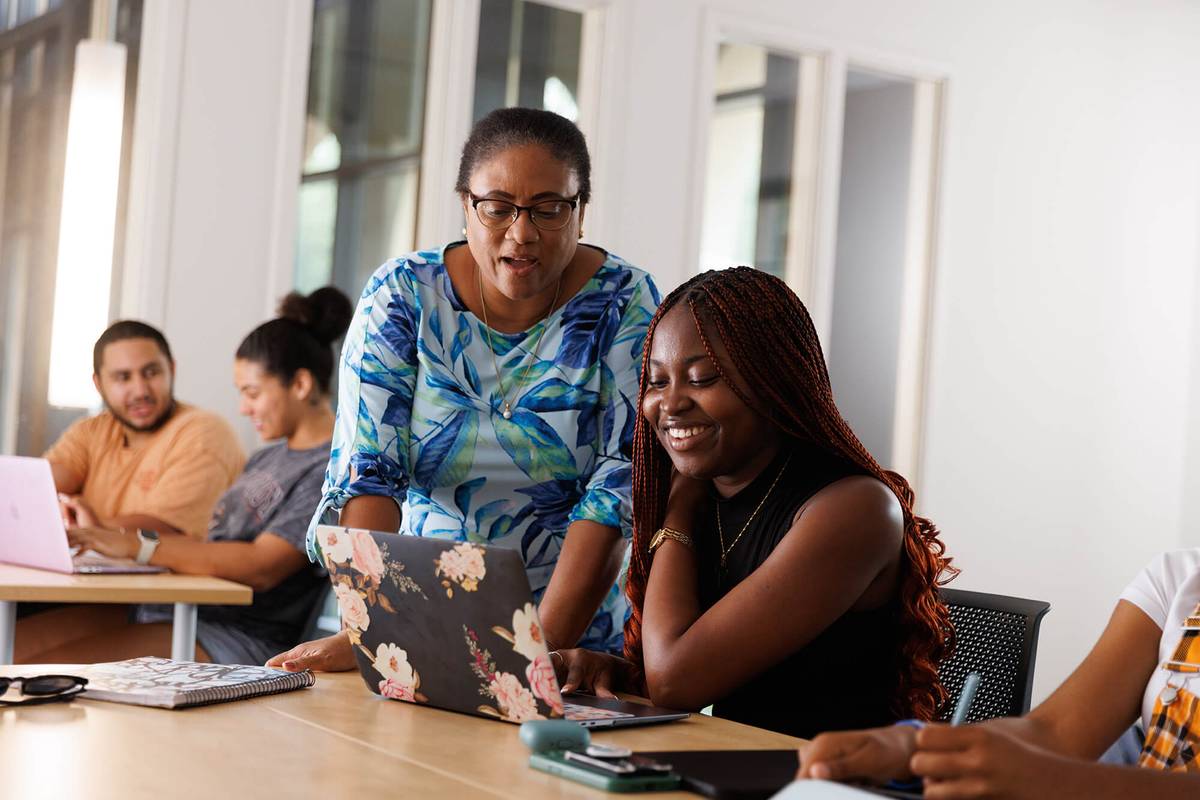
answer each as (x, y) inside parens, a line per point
(8, 629)
(183, 633)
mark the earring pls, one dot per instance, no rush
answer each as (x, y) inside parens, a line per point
(464, 231)
(580, 231)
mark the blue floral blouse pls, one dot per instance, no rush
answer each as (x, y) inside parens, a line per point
(419, 416)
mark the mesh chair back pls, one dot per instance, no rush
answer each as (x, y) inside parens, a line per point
(996, 637)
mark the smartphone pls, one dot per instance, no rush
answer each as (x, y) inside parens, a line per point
(616, 764)
(555, 762)
(647, 764)
(607, 751)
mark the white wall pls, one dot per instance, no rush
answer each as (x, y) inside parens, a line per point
(863, 348)
(1060, 380)
(1059, 389)
(216, 136)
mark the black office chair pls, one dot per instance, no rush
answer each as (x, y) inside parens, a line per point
(997, 637)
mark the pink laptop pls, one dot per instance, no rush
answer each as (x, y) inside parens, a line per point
(31, 525)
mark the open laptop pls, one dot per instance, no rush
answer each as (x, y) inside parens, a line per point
(31, 524)
(453, 625)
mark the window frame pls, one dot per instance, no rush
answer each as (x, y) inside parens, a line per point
(28, 423)
(350, 177)
(450, 93)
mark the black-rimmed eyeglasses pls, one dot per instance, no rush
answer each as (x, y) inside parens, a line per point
(548, 215)
(42, 689)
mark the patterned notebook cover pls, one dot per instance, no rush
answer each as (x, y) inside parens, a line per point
(451, 624)
(164, 683)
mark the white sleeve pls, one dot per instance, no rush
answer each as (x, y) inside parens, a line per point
(1154, 589)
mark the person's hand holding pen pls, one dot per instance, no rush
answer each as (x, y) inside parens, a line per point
(880, 755)
(976, 761)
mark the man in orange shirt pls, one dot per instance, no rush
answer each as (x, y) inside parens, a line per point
(147, 461)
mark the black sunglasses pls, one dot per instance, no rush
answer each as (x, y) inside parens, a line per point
(43, 689)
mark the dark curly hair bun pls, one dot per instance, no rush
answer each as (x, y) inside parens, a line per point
(325, 313)
(300, 337)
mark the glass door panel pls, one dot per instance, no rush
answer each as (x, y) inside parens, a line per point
(528, 55)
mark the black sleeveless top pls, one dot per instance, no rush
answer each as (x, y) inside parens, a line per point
(842, 679)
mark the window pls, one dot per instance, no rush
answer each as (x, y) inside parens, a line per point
(360, 189)
(528, 55)
(37, 47)
(749, 168)
(362, 140)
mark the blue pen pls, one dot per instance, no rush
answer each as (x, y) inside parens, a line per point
(965, 698)
(961, 709)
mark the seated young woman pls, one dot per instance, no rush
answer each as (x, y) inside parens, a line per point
(777, 572)
(1145, 665)
(257, 532)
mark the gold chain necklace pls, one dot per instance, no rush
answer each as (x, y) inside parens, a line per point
(507, 410)
(720, 531)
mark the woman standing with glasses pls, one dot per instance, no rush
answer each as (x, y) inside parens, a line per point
(488, 387)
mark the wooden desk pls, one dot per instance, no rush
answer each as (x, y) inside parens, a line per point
(485, 754)
(184, 591)
(335, 739)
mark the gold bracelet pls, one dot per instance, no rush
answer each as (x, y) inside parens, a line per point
(662, 534)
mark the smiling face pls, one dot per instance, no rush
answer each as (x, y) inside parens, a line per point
(522, 261)
(135, 381)
(707, 430)
(274, 408)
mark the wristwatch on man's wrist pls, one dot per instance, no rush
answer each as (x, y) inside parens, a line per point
(148, 544)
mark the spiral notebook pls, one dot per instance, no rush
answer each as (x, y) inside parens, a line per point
(164, 683)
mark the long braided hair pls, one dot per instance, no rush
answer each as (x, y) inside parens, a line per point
(773, 345)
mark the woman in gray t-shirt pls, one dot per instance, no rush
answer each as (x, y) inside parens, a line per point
(282, 371)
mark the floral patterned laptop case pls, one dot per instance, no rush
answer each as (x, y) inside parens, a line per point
(450, 624)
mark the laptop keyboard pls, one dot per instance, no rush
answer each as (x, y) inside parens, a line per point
(94, 563)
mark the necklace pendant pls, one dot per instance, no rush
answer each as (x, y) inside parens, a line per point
(1168, 695)
(507, 411)
(722, 561)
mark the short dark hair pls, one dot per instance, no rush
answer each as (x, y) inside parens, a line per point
(128, 329)
(301, 336)
(513, 127)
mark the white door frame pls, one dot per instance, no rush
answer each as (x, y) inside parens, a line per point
(812, 224)
(150, 207)
(809, 209)
(150, 216)
(922, 245)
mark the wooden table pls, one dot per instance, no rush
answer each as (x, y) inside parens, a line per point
(335, 740)
(184, 591)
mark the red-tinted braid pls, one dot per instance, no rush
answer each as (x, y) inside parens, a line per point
(773, 345)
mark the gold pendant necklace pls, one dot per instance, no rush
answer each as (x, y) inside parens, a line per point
(720, 531)
(506, 411)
